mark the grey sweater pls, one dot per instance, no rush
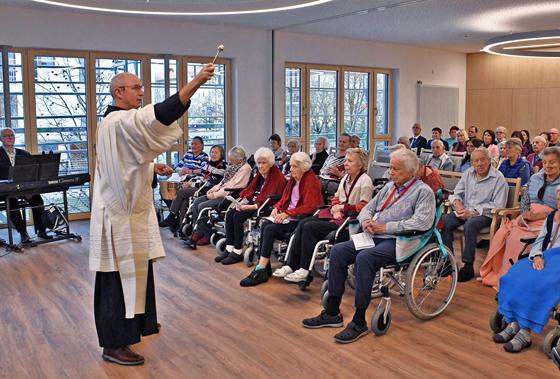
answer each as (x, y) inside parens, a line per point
(415, 210)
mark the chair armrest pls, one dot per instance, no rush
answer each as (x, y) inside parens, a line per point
(411, 233)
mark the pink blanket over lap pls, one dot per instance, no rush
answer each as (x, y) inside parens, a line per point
(506, 245)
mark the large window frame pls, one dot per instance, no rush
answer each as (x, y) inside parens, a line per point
(90, 57)
(374, 136)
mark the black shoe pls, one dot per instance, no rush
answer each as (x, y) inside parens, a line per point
(190, 244)
(169, 220)
(466, 273)
(233, 258)
(351, 333)
(323, 321)
(25, 238)
(44, 235)
(255, 278)
(221, 257)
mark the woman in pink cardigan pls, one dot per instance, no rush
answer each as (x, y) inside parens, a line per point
(236, 177)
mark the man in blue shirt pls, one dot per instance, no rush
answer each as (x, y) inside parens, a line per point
(452, 140)
(194, 160)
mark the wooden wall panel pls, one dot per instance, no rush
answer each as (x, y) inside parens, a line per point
(488, 108)
(524, 110)
(519, 93)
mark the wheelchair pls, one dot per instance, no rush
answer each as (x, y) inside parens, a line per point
(251, 231)
(427, 279)
(552, 338)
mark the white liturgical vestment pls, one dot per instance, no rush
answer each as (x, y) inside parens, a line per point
(124, 232)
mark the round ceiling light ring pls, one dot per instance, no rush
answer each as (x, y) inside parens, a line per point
(498, 45)
(64, 4)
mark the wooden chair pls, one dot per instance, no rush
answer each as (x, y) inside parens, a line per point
(382, 154)
(457, 158)
(377, 169)
(498, 214)
(450, 179)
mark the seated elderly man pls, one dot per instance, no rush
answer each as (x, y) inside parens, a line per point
(439, 159)
(333, 168)
(481, 189)
(405, 203)
(535, 159)
(320, 154)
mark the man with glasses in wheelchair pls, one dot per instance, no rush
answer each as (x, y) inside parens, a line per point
(404, 204)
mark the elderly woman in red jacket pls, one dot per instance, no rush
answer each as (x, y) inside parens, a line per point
(268, 181)
(302, 197)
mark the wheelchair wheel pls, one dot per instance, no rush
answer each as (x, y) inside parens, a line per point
(324, 287)
(497, 322)
(221, 246)
(551, 340)
(351, 278)
(249, 255)
(325, 299)
(214, 238)
(431, 280)
(379, 325)
(319, 268)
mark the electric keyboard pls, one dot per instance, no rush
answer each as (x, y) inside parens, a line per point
(43, 186)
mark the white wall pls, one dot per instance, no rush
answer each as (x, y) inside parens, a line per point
(432, 67)
(249, 50)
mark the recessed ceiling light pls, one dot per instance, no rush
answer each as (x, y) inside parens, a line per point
(509, 45)
(159, 13)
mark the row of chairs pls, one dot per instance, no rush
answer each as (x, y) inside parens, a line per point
(382, 154)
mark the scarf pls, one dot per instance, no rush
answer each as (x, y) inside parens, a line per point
(231, 170)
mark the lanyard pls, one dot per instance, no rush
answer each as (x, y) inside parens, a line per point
(396, 197)
(351, 186)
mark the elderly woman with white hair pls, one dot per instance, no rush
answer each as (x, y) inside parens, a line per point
(535, 159)
(320, 155)
(403, 204)
(236, 177)
(354, 192)
(268, 181)
(301, 197)
(515, 166)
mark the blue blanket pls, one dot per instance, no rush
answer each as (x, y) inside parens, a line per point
(527, 295)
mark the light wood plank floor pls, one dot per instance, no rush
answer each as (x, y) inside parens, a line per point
(213, 328)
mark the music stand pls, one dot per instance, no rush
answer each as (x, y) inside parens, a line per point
(49, 166)
(26, 169)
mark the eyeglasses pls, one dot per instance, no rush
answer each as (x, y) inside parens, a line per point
(9, 136)
(137, 87)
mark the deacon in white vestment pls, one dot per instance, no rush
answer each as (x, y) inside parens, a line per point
(124, 232)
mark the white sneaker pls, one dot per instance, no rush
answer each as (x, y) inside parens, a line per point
(282, 271)
(298, 276)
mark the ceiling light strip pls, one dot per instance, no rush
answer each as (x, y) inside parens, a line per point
(497, 46)
(159, 13)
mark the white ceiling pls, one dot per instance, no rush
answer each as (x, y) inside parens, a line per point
(455, 25)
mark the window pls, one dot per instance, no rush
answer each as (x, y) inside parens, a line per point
(293, 103)
(15, 75)
(207, 113)
(382, 109)
(329, 100)
(323, 105)
(356, 100)
(105, 69)
(61, 120)
(160, 93)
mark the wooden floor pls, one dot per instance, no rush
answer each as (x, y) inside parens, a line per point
(213, 328)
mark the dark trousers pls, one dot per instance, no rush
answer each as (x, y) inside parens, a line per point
(366, 264)
(471, 228)
(234, 226)
(271, 232)
(113, 329)
(307, 234)
(36, 202)
(180, 204)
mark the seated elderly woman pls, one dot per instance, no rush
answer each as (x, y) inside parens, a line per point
(236, 176)
(268, 181)
(529, 291)
(354, 192)
(480, 189)
(320, 154)
(211, 173)
(537, 202)
(461, 144)
(471, 144)
(515, 166)
(404, 204)
(301, 197)
(535, 158)
(293, 147)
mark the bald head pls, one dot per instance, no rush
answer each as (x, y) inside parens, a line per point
(127, 91)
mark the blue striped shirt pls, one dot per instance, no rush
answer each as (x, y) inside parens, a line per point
(192, 162)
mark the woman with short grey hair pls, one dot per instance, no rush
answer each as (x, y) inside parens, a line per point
(236, 177)
(409, 159)
(515, 166)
